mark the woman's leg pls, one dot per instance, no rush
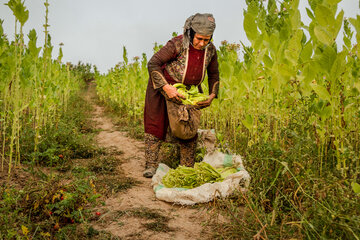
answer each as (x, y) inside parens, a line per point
(152, 148)
(187, 151)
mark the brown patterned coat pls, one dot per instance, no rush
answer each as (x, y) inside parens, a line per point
(174, 59)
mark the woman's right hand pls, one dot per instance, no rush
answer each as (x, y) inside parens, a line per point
(172, 92)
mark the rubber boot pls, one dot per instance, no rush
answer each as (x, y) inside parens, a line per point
(152, 148)
(187, 152)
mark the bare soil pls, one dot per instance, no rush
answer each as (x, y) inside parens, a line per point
(136, 213)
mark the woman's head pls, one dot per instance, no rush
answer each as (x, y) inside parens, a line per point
(198, 29)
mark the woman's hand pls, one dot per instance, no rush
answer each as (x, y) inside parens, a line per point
(172, 92)
(207, 102)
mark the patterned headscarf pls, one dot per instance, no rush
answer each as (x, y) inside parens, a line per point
(203, 24)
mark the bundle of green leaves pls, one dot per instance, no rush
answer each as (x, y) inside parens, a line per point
(192, 95)
(188, 177)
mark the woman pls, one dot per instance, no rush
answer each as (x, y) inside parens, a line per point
(184, 59)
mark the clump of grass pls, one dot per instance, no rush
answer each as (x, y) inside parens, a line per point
(159, 222)
(103, 165)
(92, 233)
(149, 214)
(107, 185)
(121, 184)
(158, 227)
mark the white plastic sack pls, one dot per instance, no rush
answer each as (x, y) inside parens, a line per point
(208, 191)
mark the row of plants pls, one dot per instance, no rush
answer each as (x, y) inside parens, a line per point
(291, 106)
(52, 175)
(123, 86)
(297, 95)
(34, 88)
(42, 123)
(57, 198)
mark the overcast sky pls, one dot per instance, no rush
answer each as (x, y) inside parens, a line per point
(95, 31)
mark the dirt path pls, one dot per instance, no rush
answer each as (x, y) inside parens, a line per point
(183, 222)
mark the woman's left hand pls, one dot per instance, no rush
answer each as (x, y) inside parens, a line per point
(207, 102)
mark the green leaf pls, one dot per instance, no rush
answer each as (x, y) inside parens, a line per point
(19, 10)
(338, 23)
(274, 43)
(333, 2)
(311, 30)
(347, 42)
(357, 86)
(248, 122)
(326, 58)
(275, 82)
(323, 35)
(326, 112)
(285, 70)
(250, 27)
(356, 188)
(295, 19)
(253, 8)
(310, 14)
(267, 61)
(321, 91)
(21, 13)
(324, 16)
(295, 4)
(294, 47)
(355, 23)
(339, 66)
(285, 31)
(1, 28)
(306, 52)
(227, 70)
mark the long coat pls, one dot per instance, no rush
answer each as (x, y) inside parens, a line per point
(175, 64)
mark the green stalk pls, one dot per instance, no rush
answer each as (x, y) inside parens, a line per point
(14, 83)
(4, 126)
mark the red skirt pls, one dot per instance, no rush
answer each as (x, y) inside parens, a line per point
(156, 119)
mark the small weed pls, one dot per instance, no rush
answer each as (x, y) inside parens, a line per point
(107, 185)
(158, 227)
(159, 222)
(105, 165)
(149, 214)
(134, 235)
(92, 233)
(81, 172)
(122, 184)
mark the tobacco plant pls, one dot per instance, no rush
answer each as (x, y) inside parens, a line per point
(34, 88)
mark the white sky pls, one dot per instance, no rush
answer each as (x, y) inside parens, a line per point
(95, 31)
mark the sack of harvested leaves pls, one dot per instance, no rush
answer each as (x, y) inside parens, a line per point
(218, 175)
(184, 120)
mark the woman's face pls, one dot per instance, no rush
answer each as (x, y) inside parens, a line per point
(200, 41)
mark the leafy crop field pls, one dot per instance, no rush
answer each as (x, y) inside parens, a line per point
(289, 103)
(291, 107)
